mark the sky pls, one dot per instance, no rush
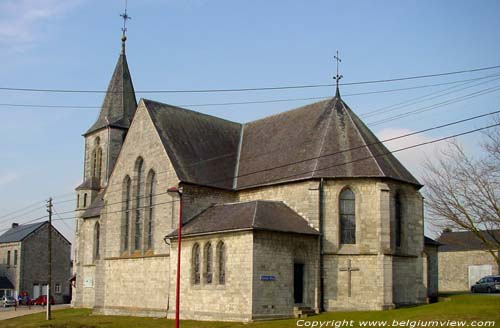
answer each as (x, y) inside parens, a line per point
(199, 44)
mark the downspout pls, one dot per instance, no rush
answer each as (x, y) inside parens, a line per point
(321, 236)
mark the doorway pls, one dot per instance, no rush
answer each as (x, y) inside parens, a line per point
(298, 283)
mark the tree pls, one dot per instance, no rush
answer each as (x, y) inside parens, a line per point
(463, 192)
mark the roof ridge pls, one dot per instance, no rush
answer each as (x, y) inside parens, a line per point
(238, 155)
(255, 213)
(322, 143)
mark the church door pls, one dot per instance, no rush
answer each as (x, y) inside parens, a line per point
(298, 282)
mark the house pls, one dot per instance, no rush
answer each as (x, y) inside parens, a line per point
(299, 211)
(464, 259)
(24, 261)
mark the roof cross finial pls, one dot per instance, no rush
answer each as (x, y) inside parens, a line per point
(337, 77)
(125, 17)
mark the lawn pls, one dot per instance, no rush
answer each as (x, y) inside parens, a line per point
(453, 307)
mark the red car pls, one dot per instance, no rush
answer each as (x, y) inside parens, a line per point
(42, 300)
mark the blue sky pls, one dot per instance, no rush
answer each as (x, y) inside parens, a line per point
(197, 44)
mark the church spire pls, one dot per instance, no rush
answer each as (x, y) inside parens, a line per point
(337, 77)
(120, 103)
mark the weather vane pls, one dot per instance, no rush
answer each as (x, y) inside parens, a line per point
(338, 77)
(125, 17)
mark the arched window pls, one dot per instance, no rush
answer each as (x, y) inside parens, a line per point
(208, 263)
(139, 203)
(347, 210)
(221, 260)
(97, 235)
(84, 200)
(77, 200)
(398, 218)
(127, 205)
(196, 264)
(97, 159)
(150, 214)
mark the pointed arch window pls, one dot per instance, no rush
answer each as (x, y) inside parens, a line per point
(196, 264)
(127, 205)
(97, 159)
(347, 210)
(221, 260)
(398, 218)
(97, 236)
(208, 263)
(85, 200)
(151, 210)
(139, 203)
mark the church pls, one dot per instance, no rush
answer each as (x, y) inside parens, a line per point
(303, 211)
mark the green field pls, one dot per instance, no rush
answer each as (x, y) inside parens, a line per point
(473, 309)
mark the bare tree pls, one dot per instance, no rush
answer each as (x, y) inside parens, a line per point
(463, 192)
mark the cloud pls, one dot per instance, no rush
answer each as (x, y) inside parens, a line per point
(22, 22)
(413, 158)
(8, 177)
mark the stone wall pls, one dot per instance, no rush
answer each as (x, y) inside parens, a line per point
(35, 259)
(454, 268)
(12, 271)
(274, 256)
(231, 301)
(431, 272)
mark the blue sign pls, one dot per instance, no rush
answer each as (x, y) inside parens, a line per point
(267, 278)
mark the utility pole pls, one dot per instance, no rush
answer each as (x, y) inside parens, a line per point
(49, 283)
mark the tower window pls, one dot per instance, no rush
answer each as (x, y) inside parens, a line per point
(97, 235)
(347, 210)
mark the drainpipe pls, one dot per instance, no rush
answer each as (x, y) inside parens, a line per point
(321, 236)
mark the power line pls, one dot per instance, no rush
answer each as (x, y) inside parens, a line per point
(283, 179)
(257, 88)
(314, 158)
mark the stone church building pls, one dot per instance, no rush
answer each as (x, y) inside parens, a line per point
(302, 210)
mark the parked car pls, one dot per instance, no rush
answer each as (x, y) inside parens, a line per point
(488, 284)
(42, 300)
(8, 301)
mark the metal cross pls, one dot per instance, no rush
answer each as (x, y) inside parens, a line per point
(338, 77)
(125, 18)
(349, 269)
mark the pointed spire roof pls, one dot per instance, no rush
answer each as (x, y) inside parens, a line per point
(119, 104)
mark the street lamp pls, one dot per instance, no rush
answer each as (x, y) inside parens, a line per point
(178, 191)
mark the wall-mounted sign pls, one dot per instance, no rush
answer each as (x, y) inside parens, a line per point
(88, 282)
(267, 278)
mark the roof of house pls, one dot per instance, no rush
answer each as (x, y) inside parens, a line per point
(253, 215)
(321, 140)
(20, 232)
(119, 104)
(467, 240)
(431, 242)
(5, 283)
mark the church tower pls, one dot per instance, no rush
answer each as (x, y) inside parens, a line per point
(104, 139)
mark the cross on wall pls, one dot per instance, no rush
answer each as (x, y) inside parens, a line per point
(349, 269)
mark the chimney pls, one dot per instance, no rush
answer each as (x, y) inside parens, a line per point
(15, 225)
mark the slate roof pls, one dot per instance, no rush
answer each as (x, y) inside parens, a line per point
(466, 240)
(92, 183)
(119, 103)
(202, 148)
(96, 206)
(5, 283)
(254, 215)
(431, 242)
(20, 232)
(321, 140)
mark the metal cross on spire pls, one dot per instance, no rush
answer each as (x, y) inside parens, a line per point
(337, 77)
(125, 17)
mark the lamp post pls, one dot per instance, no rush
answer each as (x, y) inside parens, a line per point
(175, 190)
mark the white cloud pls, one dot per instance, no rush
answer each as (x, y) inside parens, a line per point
(8, 177)
(413, 158)
(22, 21)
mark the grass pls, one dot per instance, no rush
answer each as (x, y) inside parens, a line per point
(452, 307)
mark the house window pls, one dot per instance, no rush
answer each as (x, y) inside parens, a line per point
(196, 264)
(15, 257)
(221, 259)
(208, 263)
(126, 211)
(139, 203)
(97, 236)
(347, 210)
(150, 218)
(57, 289)
(398, 218)
(8, 258)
